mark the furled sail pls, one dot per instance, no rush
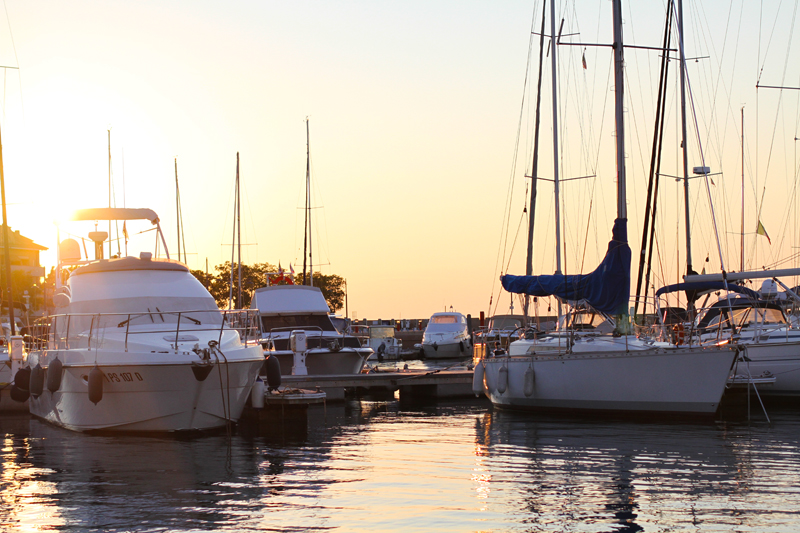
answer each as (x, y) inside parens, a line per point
(607, 289)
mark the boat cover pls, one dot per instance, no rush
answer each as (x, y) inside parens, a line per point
(698, 287)
(607, 289)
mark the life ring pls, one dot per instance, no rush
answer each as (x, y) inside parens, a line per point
(679, 334)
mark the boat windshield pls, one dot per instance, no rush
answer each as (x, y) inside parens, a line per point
(322, 322)
(585, 319)
(743, 317)
(505, 322)
(381, 332)
(445, 319)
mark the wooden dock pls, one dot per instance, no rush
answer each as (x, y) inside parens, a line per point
(411, 383)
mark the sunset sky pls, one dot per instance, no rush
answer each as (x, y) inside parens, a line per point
(414, 110)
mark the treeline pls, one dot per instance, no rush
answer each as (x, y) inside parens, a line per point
(260, 275)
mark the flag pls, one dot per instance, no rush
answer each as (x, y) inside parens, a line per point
(125, 230)
(583, 59)
(280, 269)
(291, 275)
(760, 230)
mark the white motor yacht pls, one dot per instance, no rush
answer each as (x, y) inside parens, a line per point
(138, 344)
(289, 310)
(446, 337)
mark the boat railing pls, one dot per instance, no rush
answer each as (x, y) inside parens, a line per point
(85, 330)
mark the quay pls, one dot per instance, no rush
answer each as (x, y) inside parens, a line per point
(456, 383)
(297, 393)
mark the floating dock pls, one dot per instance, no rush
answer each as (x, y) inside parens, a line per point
(411, 383)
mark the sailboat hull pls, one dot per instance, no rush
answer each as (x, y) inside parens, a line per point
(684, 381)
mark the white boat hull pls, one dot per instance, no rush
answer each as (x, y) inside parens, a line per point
(780, 361)
(679, 381)
(150, 397)
(447, 350)
(323, 362)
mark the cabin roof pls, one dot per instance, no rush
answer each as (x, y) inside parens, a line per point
(124, 264)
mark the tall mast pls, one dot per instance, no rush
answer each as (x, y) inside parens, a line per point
(741, 266)
(553, 46)
(178, 207)
(308, 280)
(233, 241)
(619, 89)
(653, 181)
(238, 235)
(109, 192)
(535, 166)
(684, 146)
(7, 246)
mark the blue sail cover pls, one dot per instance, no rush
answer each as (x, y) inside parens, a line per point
(607, 289)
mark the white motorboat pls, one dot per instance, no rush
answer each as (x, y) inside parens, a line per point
(622, 374)
(446, 336)
(138, 344)
(287, 310)
(381, 338)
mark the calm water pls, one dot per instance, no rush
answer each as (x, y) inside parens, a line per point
(385, 466)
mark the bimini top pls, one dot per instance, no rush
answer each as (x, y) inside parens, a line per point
(289, 300)
(114, 213)
(124, 264)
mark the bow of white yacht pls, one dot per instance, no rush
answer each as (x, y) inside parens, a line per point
(138, 344)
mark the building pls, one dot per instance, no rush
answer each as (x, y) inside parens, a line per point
(24, 254)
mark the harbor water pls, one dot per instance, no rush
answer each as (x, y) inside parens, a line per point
(387, 466)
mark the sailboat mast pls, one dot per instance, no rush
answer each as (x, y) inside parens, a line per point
(238, 235)
(233, 247)
(109, 191)
(535, 165)
(7, 246)
(684, 146)
(178, 207)
(553, 46)
(305, 219)
(741, 267)
(619, 89)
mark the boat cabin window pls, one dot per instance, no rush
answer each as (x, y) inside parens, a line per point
(584, 319)
(381, 332)
(322, 322)
(444, 319)
(717, 317)
(507, 323)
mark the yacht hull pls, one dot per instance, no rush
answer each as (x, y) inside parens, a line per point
(323, 362)
(149, 397)
(668, 381)
(447, 350)
(780, 361)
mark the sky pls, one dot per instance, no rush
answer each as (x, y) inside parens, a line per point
(420, 138)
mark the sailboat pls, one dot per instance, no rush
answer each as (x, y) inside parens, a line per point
(627, 374)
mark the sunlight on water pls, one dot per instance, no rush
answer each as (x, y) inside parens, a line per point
(385, 466)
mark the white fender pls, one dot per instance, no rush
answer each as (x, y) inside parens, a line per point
(490, 376)
(502, 379)
(530, 380)
(257, 394)
(477, 379)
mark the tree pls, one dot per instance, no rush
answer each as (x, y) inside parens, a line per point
(332, 287)
(253, 277)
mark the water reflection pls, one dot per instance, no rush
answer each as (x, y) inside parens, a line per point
(625, 476)
(387, 466)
